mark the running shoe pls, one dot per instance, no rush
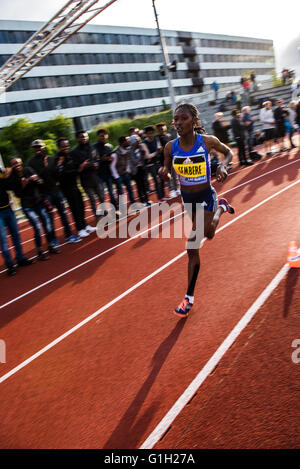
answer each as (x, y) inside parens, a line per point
(90, 229)
(183, 309)
(83, 233)
(228, 208)
(73, 239)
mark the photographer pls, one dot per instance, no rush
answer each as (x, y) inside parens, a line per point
(8, 221)
(44, 167)
(27, 186)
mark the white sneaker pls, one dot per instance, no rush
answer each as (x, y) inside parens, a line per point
(83, 233)
(173, 194)
(90, 229)
(178, 192)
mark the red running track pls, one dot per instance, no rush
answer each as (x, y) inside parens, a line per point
(96, 359)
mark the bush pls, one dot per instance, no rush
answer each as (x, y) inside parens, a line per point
(16, 138)
(121, 127)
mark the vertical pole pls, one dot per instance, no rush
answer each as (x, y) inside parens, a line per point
(166, 59)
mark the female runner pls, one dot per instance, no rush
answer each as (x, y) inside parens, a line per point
(189, 154)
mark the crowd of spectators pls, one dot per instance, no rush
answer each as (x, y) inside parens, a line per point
(46, 183)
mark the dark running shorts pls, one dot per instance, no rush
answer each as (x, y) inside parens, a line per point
(269, 134)
(280, 131)
(207, 198)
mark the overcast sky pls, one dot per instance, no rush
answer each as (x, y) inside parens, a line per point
(255, 18)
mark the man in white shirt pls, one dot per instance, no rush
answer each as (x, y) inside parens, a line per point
(267, 119)
(120, 168)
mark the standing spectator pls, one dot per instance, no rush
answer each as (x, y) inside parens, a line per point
(246, 86)
(8, 222)
(238, 131)
(215, 88)
(221, 128)
(137, 153)
(26, 185)
(279, 116)
(153, 150)
(104, 151)
(87, 164)
(163, 138)
(44, 167)
(67, 177)
(120, 167)
(267, 120)
(253, 81)
(248, 122)
(289, 127)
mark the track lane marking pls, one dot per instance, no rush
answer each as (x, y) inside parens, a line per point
(175, 410)
(128, 291)
(230, 174)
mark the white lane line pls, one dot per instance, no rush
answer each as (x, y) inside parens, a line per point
(89, 318)
(169, 418)
(140, 235)
(89, 260)
(260, 176)
(230, 174)
(219, 195)
(115, 300)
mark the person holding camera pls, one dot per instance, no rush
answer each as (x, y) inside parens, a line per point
(44, 167)
(8, 222)
(26, 186)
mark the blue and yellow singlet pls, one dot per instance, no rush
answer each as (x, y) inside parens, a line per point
(192, 167)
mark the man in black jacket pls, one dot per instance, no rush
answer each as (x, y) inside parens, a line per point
(87, 164)
(8, 221)
(279, 116)
(44, 167)
(67, 177)
(238, 131)
(26, 186)
(104, 151)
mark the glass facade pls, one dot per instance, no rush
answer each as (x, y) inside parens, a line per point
(230, 57)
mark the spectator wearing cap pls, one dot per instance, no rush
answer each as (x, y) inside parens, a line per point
(8, 222)
(44, 167)
(86, 160)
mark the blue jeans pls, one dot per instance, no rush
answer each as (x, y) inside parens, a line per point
(35, 215)
(8, 220)
(125, 179)
(158, 182)
(109, 183)
(56, 199)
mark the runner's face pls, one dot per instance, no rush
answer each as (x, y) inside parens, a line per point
(184, 122)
